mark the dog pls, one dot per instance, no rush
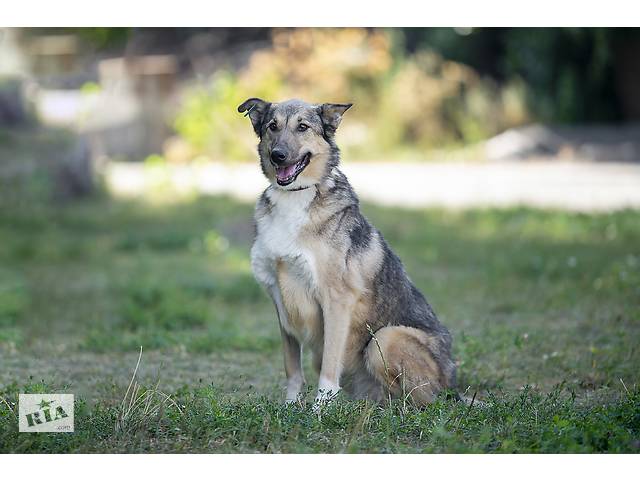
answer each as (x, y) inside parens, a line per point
(337, 286)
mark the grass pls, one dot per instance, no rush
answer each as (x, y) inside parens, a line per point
(207, 421)
(544, 308)
(141, 405)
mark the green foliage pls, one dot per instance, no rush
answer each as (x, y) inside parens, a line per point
(416, 89)
(104, 37)
(402, 103)
(209, 121)
(558, 67)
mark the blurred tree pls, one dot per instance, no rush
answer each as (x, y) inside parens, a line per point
(104, 37)
(13, 106)
(571, 74)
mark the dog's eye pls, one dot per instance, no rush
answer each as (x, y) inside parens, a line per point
(302, 127)
(273, 127)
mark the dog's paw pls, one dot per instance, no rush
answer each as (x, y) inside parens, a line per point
(294, 391)
(324, 397)
(291, 401)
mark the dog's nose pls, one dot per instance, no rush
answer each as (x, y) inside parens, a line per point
(278, 155)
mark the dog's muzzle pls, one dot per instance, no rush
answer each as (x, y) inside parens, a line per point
(287, 174)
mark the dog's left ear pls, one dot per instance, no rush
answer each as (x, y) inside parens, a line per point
(256, 108)
(331, 115)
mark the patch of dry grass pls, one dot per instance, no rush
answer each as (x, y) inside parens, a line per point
(142, 407)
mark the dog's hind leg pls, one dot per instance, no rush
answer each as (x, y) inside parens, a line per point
(361, 385)
(404, 361)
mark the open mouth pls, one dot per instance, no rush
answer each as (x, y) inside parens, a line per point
(288, 174)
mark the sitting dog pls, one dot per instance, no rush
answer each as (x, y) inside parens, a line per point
(337, 286)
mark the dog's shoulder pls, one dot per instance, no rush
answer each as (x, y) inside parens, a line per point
(338, 189)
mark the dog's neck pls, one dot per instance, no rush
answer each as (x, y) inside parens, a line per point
(288, 201)
(300, 188)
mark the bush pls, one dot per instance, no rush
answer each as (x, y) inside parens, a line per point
(407, 102)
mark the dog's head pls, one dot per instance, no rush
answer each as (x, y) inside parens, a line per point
(296, 145)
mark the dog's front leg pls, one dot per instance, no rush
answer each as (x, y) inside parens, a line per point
(336, 330)
(291, 349)
(292, 366)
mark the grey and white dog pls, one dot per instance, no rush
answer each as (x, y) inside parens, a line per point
(337, 286)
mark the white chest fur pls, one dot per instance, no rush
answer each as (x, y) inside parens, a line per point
(284, 265)
(278, 237)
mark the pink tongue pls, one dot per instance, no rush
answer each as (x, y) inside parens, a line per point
(286, 172)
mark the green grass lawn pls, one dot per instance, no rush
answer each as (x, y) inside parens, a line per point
(544, 308)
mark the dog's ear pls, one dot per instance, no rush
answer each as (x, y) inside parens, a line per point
(331, 114)
(256, 108)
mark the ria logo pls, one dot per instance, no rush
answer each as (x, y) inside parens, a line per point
(45, 413)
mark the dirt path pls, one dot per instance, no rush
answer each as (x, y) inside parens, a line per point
(576, 186)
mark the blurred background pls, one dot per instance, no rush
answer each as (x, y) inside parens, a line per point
(502, 164)
(121, 98)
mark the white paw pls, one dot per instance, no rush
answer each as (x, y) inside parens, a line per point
(324, 396)
(294, 391)
(293, 400)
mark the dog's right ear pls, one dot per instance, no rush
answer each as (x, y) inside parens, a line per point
(256, 108)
